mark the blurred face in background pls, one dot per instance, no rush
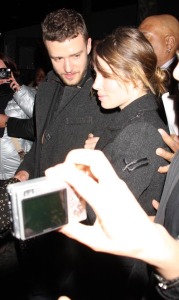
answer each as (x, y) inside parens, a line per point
(157, 39)
(39, 76)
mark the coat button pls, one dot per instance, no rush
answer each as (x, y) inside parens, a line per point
(48, 136)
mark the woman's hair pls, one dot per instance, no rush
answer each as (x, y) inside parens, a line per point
(63, 24)
(131, 58)
(10, 64)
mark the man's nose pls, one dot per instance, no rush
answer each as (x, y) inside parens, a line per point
(67, 66)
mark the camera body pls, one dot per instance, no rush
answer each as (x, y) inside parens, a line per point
(5, 73)
(38, 206)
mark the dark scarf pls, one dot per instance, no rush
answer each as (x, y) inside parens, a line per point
(6, 94)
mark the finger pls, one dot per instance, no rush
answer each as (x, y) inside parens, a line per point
(152, 218)
(175, 137)
(165, 154)
(90, 143)
(85, 186)
(90, 135)
(91, 236)
(96, 160)
(164, 169)
(89, 146)
(80, 232)
(172, 143)
(97, 193)
(155, 204)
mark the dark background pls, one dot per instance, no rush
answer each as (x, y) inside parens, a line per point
(20, 30)
(21, 13)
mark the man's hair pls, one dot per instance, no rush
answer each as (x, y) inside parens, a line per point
(63, 24)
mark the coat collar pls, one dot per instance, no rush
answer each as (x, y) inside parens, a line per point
(135, 109)
(52, 76)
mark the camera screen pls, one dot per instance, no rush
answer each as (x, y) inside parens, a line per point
(44, 213)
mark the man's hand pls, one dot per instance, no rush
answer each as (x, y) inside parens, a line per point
(155, 204)
(173, 142)
(91, 142)
(22, 175)
(3, 120)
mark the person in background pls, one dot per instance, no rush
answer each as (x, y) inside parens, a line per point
(16, 100)
(19, 103)
(172, 141)
(20, 127)
(162, 31)
(12, 150)
(38, 78)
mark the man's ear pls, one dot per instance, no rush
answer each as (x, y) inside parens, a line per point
(170, 42)
(89, 45)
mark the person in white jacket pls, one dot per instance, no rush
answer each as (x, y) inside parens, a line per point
(18, 101)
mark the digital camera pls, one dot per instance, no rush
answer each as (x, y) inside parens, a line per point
(5, 73)
(38, 206)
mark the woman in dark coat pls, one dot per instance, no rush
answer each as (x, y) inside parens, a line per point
(127, 77)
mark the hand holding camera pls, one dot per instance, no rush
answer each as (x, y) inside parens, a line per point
(40, 205)
(5, 73)
(6, 76)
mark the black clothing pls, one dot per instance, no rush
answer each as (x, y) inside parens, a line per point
(172, 85)
(171, 216)
(130, 145)
(21, 128)
(168, 216)
(6, 94)
(73, 113)
(172, 88)
(65, 115)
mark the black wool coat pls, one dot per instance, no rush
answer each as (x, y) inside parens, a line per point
(130, 143)
(64, 116)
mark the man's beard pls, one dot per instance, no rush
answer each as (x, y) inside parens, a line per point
(71, 83)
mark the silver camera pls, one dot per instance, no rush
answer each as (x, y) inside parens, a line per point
(38, 206)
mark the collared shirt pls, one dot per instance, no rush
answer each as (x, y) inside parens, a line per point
(168, 63)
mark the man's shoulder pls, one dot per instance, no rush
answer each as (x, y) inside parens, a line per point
(51, 77)
(49, 84)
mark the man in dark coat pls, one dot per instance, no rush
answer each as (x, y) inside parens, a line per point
(66, 111)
